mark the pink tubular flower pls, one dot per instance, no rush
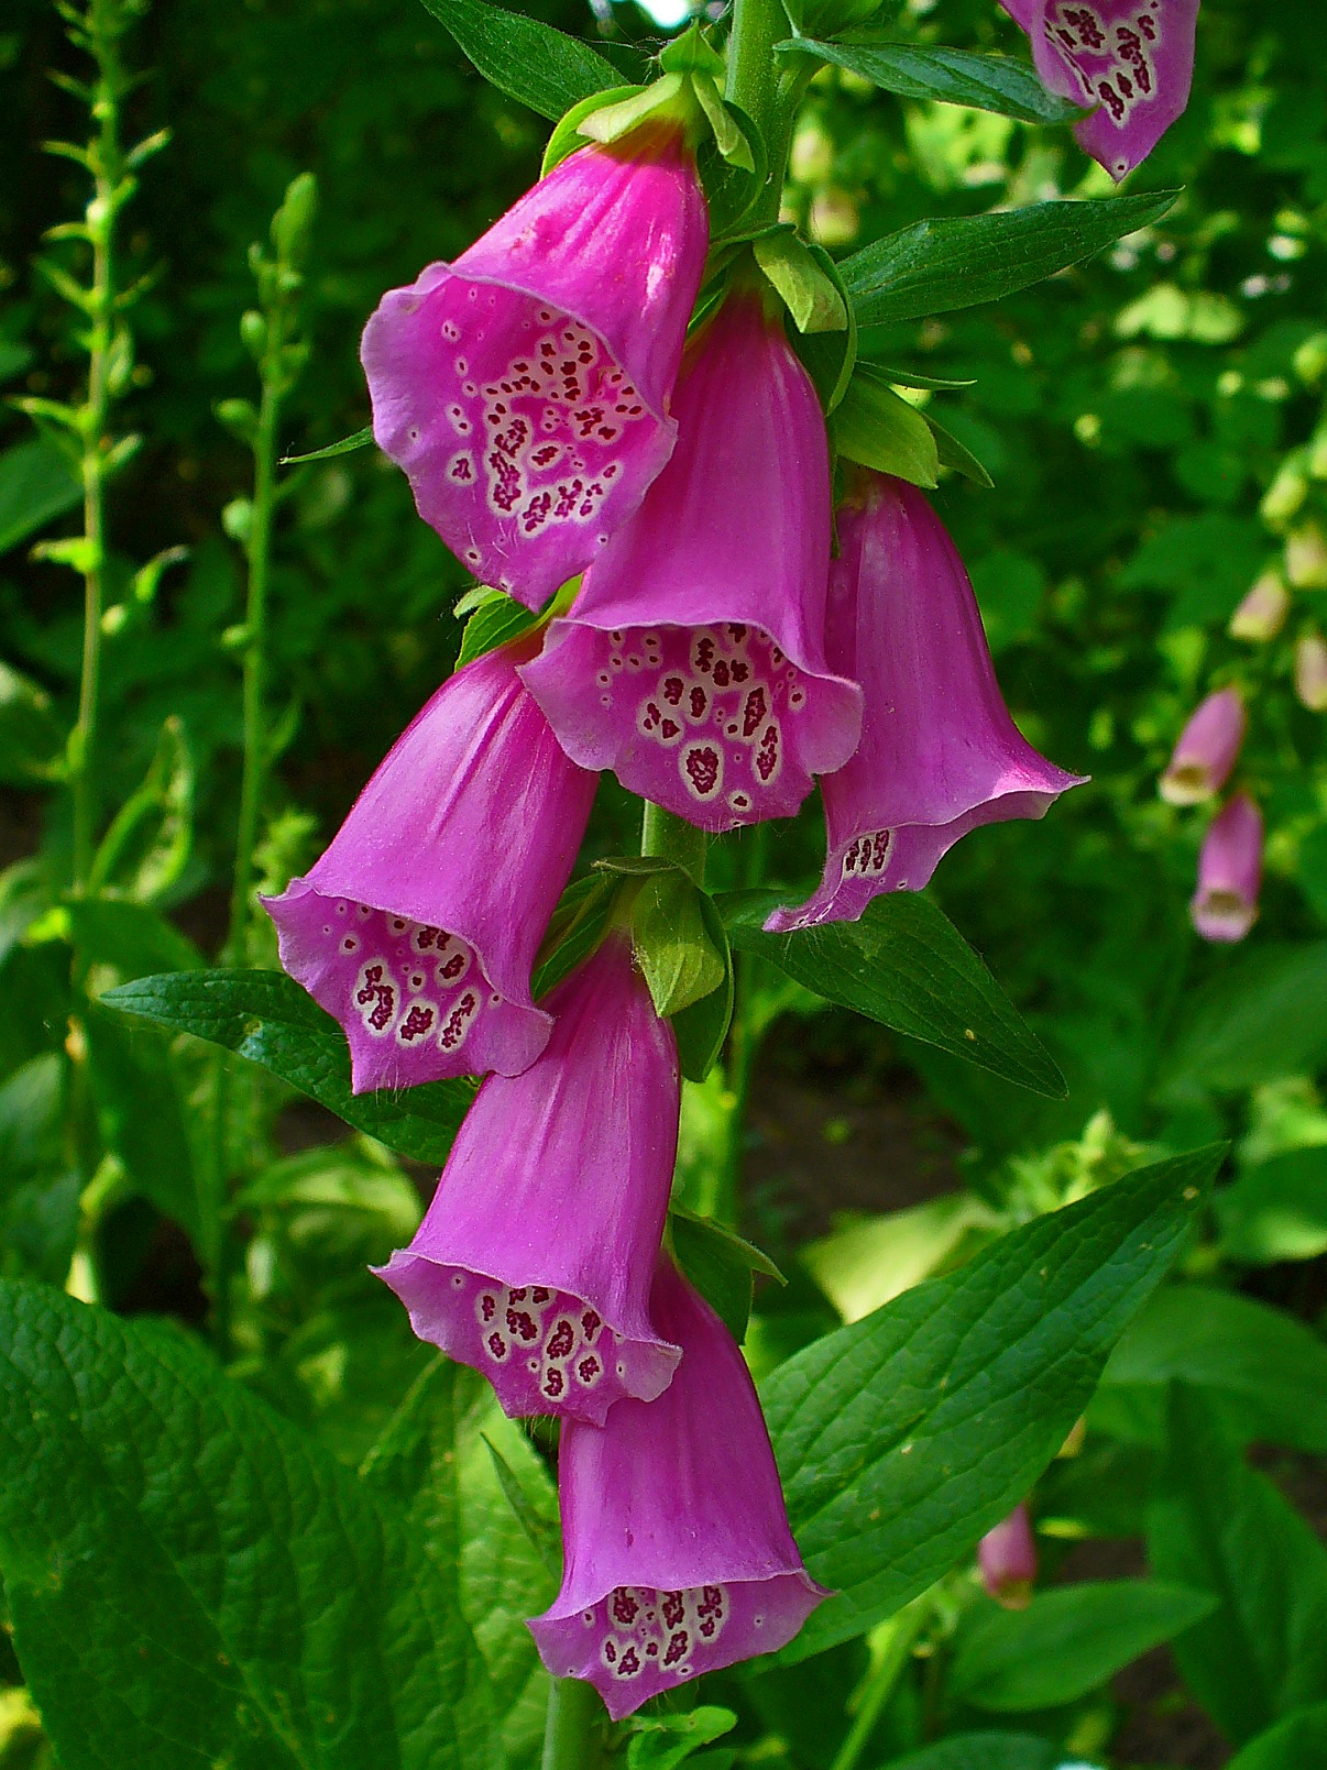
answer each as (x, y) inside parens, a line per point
(939, 754)
(525, 388)
(1007, 1557)
(1225, 905)
(408, 929)
(692, 662)
(1131, 61)
(1205, 754)
(679, 1558)
(535, 1259)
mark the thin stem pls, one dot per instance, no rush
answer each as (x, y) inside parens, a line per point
(669, 837)
(108, 172)
(571, 1733)
(900, 1634)
(753, 82)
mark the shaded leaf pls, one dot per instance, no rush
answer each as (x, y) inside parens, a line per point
(951, 76)
(37, 484)
(525, 58)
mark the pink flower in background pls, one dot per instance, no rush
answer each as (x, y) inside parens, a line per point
(535, 1260)
(525, 388)
(1129, 61)
(1007, 1557)
(1225, 905)
(418, 926)
(679, 1558)
(1311, 672)
(939, 754)
(1207, 749)
(692, 662)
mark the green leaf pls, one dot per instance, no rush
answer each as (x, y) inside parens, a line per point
(905, 1437)
(1276, 1211)
(1267, 1371)
(702, 1027)
(150, 839)
(1216, 1524)
(541, 1533)
(525, 58)
(986, 1751)
(956, 455)
(574, 930)
(194, 1582)
(951, 76)
(878, 428)
(907, 966)
(1066, 1643)
(266, 1017)
(1293, 1744)
(495, 619)
(662, 1742)
(807, 292)
(140, 1114)
(720, 1263)
(678, 960)
(936, 266)
(872, 1261)
(36, 485)
(31, 737)
(131, 938)
(1262, 1016)
(347, 446)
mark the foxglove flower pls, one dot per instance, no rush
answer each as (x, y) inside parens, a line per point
(679, 1558)
(1130, 61)
(939, 754)
(535, 1259)
(1205, 754)
(418, 927)
(1311, 672)
(525, 388)
(692, 662)
(1262, 610)
(1225, 905)
(1007, 1558)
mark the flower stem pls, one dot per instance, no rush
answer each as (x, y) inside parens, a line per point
(668, 837)
(571, 1736)
(895, 1638)
(753, 83)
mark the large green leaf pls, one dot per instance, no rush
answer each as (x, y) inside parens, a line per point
(266, 1017)
(525, 58)
(935, 266)
(906, 1436)
(37, 484)
(953, 76)
(1217, 1524)
(1265, 1370)
(1067, 1642)
(907, 966)
(1263, 1016)
(986, 1751)
(193, 1582)
(1277, 1210)
(1293, 1744)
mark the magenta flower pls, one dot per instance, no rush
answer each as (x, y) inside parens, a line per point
(535, 1260)
(1131, 61)
(1007, 1557)
(525, 388)
(692, 662)
(1206, 751)
(939, 754)
(679, 1558)
(1225, 905)
(418, 926)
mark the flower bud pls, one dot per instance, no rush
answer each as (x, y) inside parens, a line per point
(294, 219)
(1262, 613)
(1306, 557)
(1206, 751)
(1007, 1557)
(1311, 672)
(1286, 493)
(1225, 905)
(253, 333)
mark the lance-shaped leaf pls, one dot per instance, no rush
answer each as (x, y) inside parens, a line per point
(266, 1017)
(525, 58)
(953, 76)
(194, 1582)
(936, 266)
(907, 966)
(878, 428)
(904, 1438)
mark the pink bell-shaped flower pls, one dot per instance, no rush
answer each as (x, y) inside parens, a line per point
(525, 388)
(679, 1558)
(692, 662)
(1225, 905)
(939, 754)
(1129, 61)
(1207, 749)
(1007, 1558)
(418, 926)
(535, 1259)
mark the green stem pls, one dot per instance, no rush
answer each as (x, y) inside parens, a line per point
(899, 1635)
(753, 84)
(668, 837)
(570, 1731)
(108, 165)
